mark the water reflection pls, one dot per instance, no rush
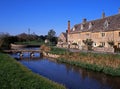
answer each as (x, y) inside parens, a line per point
(104, 81)
(70, 76)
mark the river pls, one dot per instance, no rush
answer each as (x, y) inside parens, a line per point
(70, 76)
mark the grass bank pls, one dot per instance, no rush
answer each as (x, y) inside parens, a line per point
(58, 51)
(15, 76)
(106, 63)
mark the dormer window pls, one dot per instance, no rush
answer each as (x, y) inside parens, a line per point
(82, 26)
(73, 28)
(106, 24)
(90, 25)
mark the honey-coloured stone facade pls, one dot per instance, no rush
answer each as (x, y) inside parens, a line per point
(100, 31)
(104, 32)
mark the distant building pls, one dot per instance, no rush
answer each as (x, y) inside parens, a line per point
(62, 39)
(104, 32)
(46, 40)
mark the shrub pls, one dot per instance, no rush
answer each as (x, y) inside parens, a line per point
(111, 43)
(45, 48)
(74, 43)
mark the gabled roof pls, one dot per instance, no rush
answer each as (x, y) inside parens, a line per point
(104, 24)
(65, 34)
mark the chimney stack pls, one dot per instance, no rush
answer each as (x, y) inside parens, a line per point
(68, 26)
(103, 15)
(84, 20)
(119, 11)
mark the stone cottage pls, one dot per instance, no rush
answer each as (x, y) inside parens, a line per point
(104, 32)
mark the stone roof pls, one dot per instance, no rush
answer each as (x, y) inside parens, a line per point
(62, 37)
(100, 25)
(64, 34)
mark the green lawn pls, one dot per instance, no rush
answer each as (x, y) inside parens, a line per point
(13, 75)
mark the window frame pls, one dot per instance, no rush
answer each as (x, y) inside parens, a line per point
(103, 34)
(106, 24)
(102, 44)
(119, 34)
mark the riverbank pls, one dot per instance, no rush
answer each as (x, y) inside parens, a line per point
(15, 76)
(106, 63)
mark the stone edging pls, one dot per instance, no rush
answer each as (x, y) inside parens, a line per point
(50, 55)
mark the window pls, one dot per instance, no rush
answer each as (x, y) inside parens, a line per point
(118, 45)
(119, 34)
(102, 34)
(73, 28)
(87, 34)
(81, 26)
(94, 44)
(102, 44)
(106, 24)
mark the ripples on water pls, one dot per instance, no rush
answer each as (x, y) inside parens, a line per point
(70, 76)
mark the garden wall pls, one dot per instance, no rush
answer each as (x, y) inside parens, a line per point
(103, 49)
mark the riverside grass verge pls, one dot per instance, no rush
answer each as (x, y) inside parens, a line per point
(13, 75)
(106, 63)
(58, 51)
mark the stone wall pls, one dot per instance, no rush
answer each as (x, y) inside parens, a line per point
(97, 38)
(74, 46)
(68, 46)
(62, 45)
(50, 55)
(103, 49)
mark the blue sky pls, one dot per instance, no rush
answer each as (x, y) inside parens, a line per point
(16, 16)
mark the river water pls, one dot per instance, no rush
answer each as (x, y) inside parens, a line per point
(70, 76)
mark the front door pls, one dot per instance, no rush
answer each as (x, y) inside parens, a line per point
(118, 45)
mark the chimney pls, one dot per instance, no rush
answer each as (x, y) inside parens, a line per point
(68, 26)
(66, 31)
(84, 20)
(103, 15)
(119, 11)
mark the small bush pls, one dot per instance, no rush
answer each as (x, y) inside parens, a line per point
(74, 43)
(45, 48)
